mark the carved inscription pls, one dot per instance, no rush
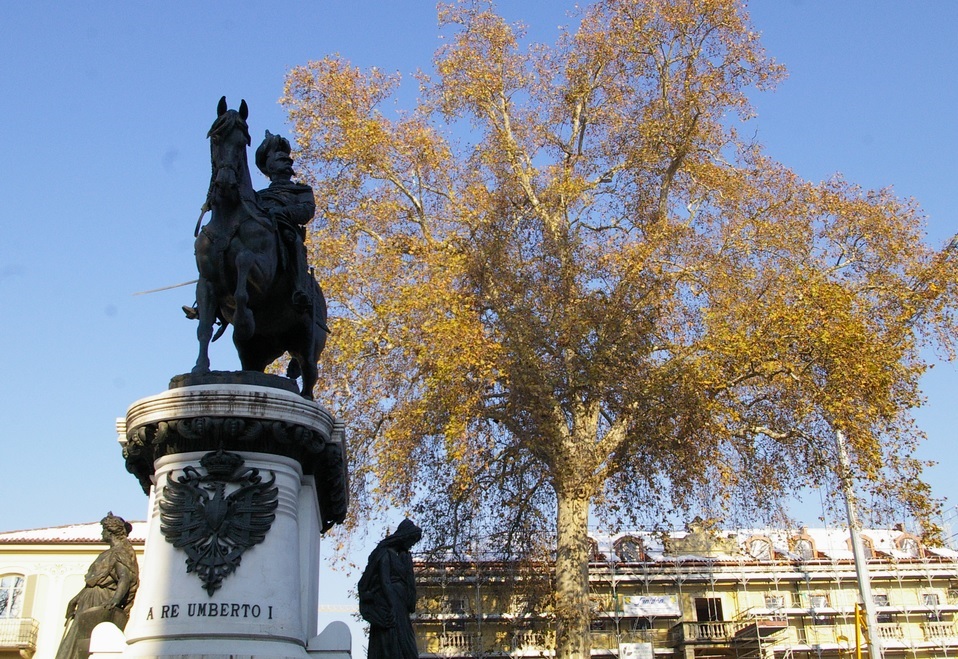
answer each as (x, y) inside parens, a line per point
(210, 610)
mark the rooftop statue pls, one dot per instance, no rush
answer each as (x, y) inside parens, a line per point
(111, 584)
(251, 256)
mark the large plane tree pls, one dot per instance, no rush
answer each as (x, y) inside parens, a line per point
(564, 283)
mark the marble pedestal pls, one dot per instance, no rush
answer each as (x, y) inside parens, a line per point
(255, 470)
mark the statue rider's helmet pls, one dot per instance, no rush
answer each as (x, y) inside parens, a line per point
(271, 143)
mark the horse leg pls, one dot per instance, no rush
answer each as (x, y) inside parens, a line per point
(253, 357)
(243, 323)
(315, 342)
(310, 375)
(206, 309)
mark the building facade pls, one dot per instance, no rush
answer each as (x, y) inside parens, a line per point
(704, 594)
(40, 571)
(698, 594)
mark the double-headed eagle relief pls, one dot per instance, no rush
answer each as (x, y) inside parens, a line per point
(214, 527)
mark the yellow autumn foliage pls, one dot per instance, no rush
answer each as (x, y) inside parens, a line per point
(562, 282)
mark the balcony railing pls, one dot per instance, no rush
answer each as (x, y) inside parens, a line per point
(610, 640)
(935, 631)
(658, 637)
(527, 642)
(532, 640)
(724, 631)
(890, 631)
(18, 634)
(458, 643)
(700, 631)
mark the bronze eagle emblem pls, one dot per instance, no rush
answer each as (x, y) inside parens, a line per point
(212, 526)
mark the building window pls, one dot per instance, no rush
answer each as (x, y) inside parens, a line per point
(598, 604)
(641, 624)
(11, 596)
(868, 547)
(931, 601)
(804, 547)
(818, 600)
(775, 601)
(629, 550)
(708, 609)
(520, 605)
(881, 600)
(909, 545)
(595, 556)
(760, 548)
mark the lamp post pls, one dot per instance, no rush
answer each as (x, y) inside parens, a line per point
(861, 566)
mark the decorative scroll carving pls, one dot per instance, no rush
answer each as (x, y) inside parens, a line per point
(215, 528)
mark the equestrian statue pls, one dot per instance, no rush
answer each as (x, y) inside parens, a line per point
(251, 256)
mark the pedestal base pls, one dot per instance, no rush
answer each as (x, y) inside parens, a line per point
(335, 642)
(243, 479)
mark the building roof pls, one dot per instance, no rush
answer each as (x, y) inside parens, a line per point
(730, 544)
(69, 534)
(699, 543)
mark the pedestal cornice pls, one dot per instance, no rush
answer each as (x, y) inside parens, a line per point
(239, 417)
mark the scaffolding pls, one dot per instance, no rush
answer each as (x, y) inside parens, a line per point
(787, 601)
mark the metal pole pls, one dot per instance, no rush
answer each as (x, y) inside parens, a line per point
(861, 566)
(858, 631)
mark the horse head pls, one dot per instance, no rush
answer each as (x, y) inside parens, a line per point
(229, 137)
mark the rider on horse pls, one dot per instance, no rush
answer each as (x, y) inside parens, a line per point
(251, 257)
(291, 206)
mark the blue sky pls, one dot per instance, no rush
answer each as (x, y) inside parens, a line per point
(105, 108)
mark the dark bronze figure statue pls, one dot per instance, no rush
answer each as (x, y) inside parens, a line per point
(246, 278)
(291, 206)
(387, 595)
(111, 584)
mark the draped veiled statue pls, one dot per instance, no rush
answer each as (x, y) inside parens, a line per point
(387, 595)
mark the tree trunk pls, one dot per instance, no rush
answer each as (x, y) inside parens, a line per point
(572, 577)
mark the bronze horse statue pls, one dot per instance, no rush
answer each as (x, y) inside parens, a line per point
(242, 280)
